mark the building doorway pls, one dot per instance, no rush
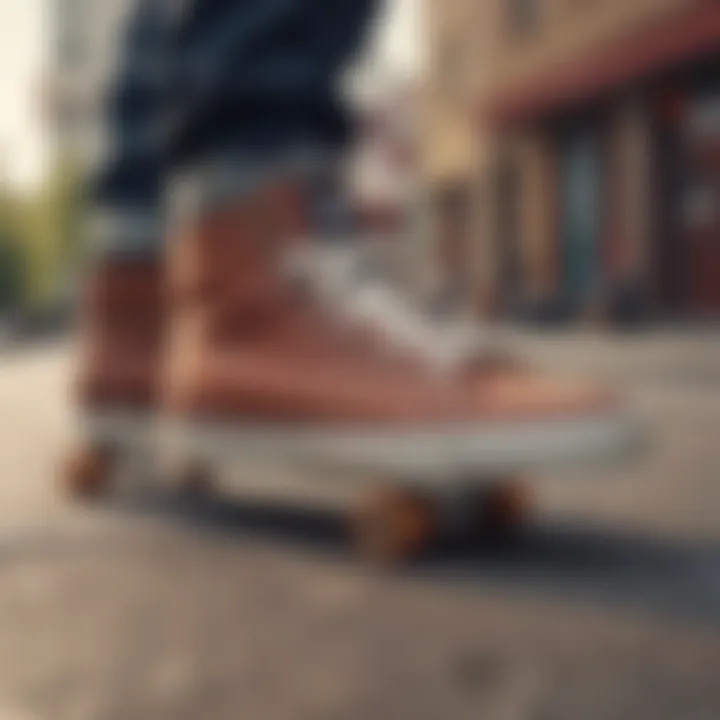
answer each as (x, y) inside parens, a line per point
(700, 203)
(510, 277)
(581, 216)
(455, 218)
(689, 203)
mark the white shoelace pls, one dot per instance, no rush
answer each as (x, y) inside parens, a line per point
(340, 278)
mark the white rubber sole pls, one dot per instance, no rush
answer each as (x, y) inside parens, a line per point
(330, 466)
(421, 456)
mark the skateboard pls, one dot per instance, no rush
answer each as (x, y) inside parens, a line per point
(403, 489)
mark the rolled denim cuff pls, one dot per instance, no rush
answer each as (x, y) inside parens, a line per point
(215, 182)
(125, 231)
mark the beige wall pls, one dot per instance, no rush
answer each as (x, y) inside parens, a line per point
(455, 147)
(459, 52)
(565, 30)
(473, 56)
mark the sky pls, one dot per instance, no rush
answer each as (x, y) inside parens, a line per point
(23, 62)
(24, 40)
(398, 44)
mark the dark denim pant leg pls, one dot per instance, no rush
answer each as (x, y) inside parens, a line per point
(246, 79)
(261, 78)
(126, 192)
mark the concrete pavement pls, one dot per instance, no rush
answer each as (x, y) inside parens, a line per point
(608, 608)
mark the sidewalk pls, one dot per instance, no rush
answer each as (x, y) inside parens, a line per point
(684, 356)
(609, 607)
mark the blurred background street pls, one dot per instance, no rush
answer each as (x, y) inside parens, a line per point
(607, 607)
(547, 167)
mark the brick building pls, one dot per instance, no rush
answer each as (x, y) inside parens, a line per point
(573, 152)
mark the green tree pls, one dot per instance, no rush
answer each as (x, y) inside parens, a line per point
(12, 274)
(41, 240)
(52, 230)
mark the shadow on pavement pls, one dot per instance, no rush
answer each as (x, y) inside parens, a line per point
(561, 561)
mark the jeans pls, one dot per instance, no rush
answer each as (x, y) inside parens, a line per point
(249, 79)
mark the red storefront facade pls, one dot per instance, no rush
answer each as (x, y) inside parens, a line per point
(631, 136)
